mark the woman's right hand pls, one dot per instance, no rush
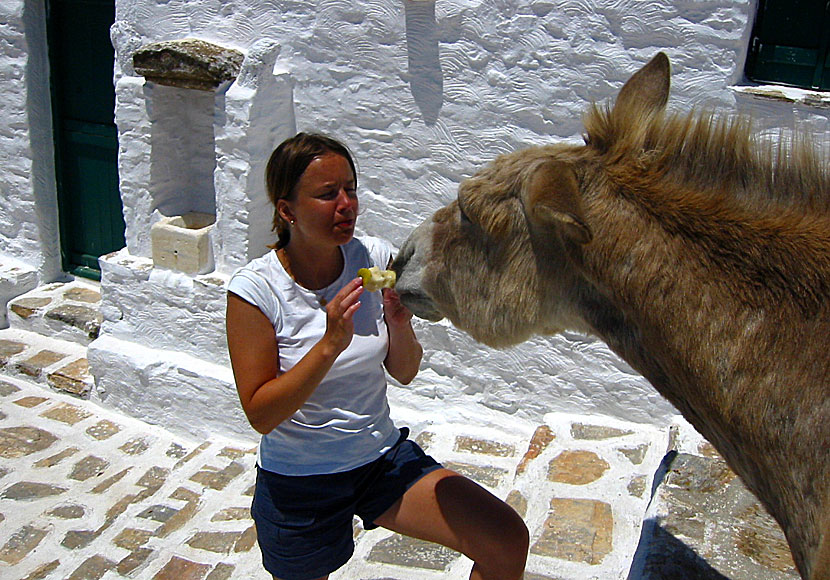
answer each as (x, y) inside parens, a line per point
(269, 396)
(340, 314)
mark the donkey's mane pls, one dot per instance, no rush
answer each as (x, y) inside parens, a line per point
(717, 153)
(730, 176)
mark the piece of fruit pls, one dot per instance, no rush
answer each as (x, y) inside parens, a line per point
(375, 279)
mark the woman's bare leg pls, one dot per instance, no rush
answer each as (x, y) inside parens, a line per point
(449, 509)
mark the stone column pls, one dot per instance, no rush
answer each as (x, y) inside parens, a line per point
(257, 114)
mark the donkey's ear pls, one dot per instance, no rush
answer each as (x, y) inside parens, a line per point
(647, 91)
(552, 200)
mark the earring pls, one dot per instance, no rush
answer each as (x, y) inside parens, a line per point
(292, 222)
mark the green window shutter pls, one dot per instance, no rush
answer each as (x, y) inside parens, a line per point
(789, 44)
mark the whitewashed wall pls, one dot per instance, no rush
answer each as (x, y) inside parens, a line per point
(28, 207)
(424, 93)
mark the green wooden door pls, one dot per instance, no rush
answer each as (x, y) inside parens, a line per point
(81, 60)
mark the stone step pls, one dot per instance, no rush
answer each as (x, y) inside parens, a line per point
(67, 311)
(60, 364)
(15, 279)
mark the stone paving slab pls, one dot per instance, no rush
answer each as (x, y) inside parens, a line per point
(58, 363)
(703, 523)
(88, 494)
(70, 311)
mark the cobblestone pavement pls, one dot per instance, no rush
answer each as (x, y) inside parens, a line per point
(87, 493)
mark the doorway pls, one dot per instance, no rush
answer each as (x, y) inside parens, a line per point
(81, 59)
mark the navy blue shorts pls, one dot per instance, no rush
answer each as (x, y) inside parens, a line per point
(304, 523)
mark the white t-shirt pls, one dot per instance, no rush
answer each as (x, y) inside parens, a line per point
(345, 422)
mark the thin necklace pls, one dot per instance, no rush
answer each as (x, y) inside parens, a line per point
(320, 294)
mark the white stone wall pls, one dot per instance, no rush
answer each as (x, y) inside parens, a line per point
(424, 93)
(28, 207)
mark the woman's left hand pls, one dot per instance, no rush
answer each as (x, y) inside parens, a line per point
(404, 356)
(395, 312)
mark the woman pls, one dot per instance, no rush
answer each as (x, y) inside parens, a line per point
(308, 348)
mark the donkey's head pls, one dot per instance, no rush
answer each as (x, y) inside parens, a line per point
(496, 260)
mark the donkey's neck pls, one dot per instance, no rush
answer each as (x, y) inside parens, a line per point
(713, 341)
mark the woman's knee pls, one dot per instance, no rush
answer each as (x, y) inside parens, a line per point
(504, 554)
(516, 541)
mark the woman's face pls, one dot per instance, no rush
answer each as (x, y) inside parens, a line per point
(325, 208)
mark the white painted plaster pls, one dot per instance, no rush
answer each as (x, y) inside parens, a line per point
(424, 93)
(172, 389)
(258, 111)
(162, 309)
(15, 278)
(28, 210)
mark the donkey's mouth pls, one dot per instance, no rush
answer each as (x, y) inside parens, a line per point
(420, 305)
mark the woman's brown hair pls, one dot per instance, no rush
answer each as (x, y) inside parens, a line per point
(287, 164)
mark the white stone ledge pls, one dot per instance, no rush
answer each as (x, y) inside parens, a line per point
(171, 389)
(16, 278)
(163, 309)
(817, 99)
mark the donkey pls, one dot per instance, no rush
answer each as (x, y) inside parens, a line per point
(699, 255)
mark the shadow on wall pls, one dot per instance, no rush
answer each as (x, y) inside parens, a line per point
(182, 145)
(41, 137)
(425, 76)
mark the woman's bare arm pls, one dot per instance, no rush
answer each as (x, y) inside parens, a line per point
(269, 397)
(404, 356)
